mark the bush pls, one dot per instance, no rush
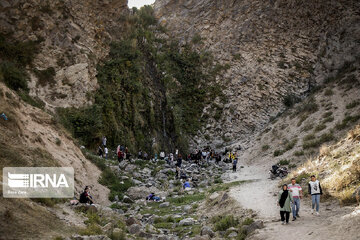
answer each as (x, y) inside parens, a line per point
(290, 100)
(13, 76)
(109, 179)
(352, 104)
(328, 92)
(284, 162)
(265, 147)
(309, 137)
(222, 223)
(248, 221)
(278, 153)
(45, 76)
(196, 39)
(320, 127)
(298, 153)
(290, 145)
(346, 120)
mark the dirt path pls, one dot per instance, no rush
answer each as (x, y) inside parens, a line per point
(260, 195)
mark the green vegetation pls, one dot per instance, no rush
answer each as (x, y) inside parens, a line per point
(328, 92)
(288, 146)
(352, 104)
(320, 127)
(15, 57)
(224, 186)
(222, 223)
(298, 153)
(326, 137)
(278, 152)
(45, 76)
(157, 87)
(187, 199)
(290, 100)
(111, 180)
(265, 147)
(346, 120)
(284, 162)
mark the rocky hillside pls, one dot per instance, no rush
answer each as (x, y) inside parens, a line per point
(275, 49)
(72, 36)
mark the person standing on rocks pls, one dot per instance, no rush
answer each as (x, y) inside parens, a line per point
(285, 198)
(297, 193)
(234, 164)
(315, 191)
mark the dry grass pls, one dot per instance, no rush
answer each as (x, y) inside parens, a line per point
(337, 168)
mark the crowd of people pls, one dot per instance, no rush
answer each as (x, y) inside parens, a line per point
(288, 198)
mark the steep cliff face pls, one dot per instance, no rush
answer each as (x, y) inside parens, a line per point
(274, 49)
(73, 36)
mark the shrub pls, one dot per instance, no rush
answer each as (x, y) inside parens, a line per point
(291, 166)
(301, 176)
(320, 127)
(309, 137)
(284, 162)
(290, 100)
(310, 106)
(248, 221)
(109, 179)
(290, 145)
(328, 92)
(307, 127)
(222, 223)
(13, 76)
(352, 104)
(45, 76)
(346, 120)
(58, 141)
(278, 153)
(298, 153)
(196, 39)
(265, 147)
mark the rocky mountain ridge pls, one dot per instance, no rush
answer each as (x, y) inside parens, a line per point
(275, 49)
(73, 36)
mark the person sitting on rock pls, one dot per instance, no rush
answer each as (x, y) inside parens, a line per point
(85, 196)
(152, 197)
(187, 185)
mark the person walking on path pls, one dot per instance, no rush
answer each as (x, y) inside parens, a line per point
(315, 191)
(285, 198)
(234, 164)
(297, 193)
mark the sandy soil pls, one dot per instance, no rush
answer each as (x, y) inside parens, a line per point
(334, 222)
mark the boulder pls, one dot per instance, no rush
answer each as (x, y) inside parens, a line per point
(164, 205)
(214, 196)
(126, 199)
(134, 229)
(141, 192)
(130, 221)
(232, 235)
(206, 230)
(252, 227)
(187, 222)
(187, 208)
